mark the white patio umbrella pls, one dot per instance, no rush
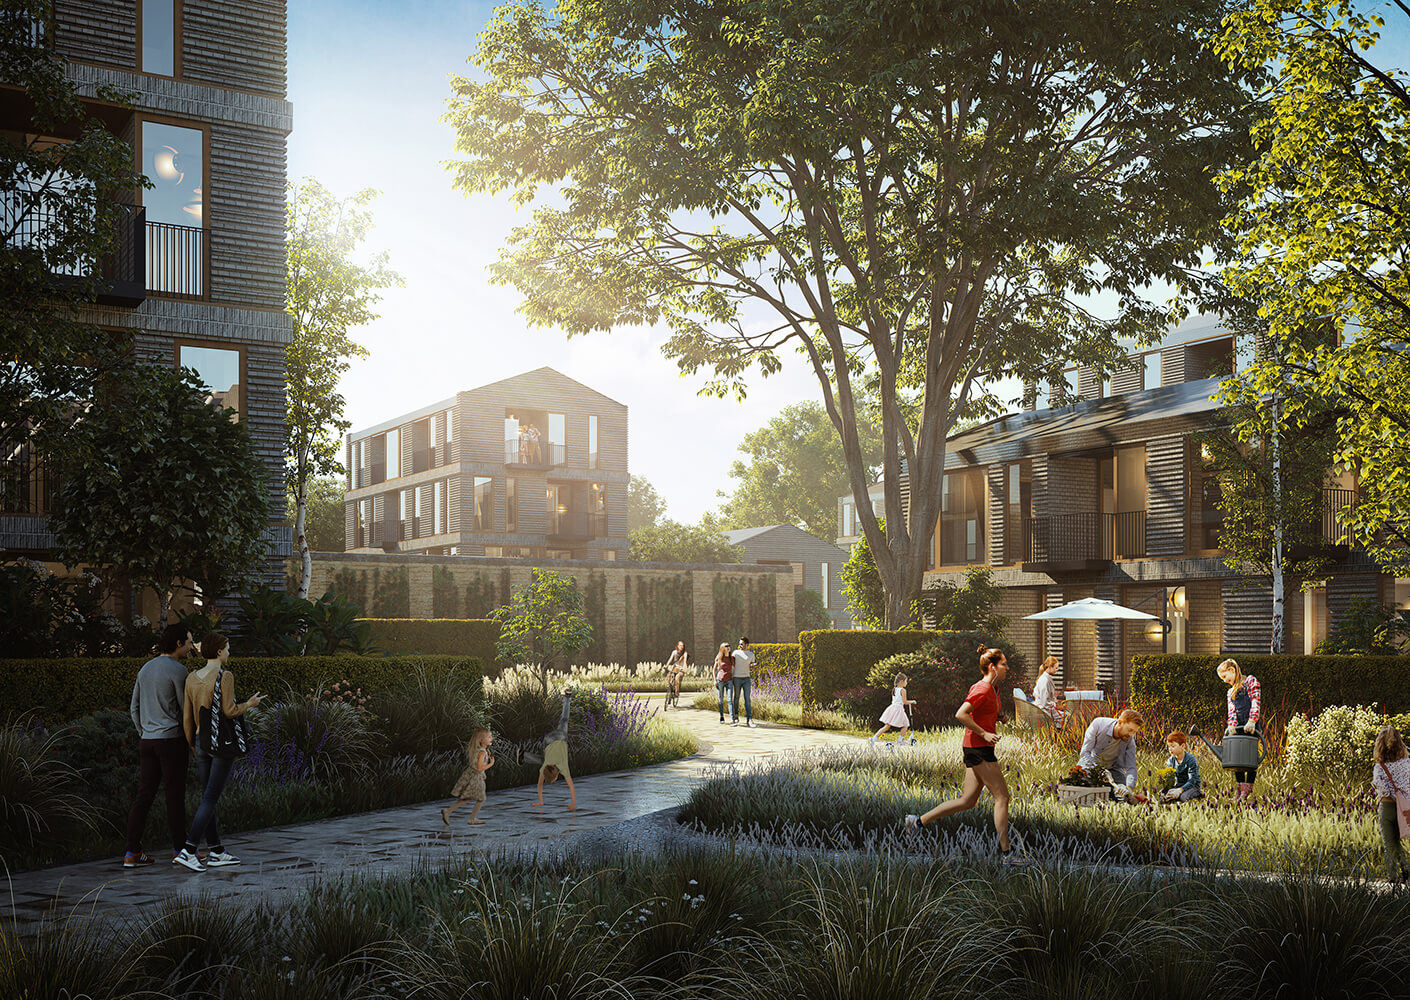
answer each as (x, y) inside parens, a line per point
(1092, 609)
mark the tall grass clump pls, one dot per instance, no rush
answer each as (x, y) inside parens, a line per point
(432, 711)
(316, 737)
(519, 709)
(40, 794)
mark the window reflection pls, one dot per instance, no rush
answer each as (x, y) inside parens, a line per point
(173, 158)
(219, 369)
(159, 37)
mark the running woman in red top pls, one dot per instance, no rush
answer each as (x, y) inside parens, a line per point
(980, 717)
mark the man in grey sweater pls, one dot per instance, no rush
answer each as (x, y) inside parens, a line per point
(158, 697)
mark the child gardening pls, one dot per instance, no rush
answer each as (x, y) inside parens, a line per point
(470, 786)
(555, 757)
(1187, 781)
(895, 714)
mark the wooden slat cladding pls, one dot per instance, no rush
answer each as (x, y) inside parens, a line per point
(1165, 496)
(1108, 665)
(1089, 384)
(997, 496)
(240, 44)
(1247, 617)
(1055, 635)
(1128, 378)
(97, 31)
(1344, 589)
(246, 215)
(349, 525)
(1172, 365)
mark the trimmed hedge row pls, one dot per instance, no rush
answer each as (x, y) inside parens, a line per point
(62, 689)
(449, 636)
(1186, 689)
(833, 660)
(776, 659)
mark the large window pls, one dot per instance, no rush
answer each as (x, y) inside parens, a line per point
(393, 446)
(848, 526)
(1018, 509)
(511, 506)
(364, 523)
(592, 442)
(557, 438)
(439, 515)
(408, 530)
(961, 535)
(826, 576)
(219, 369)
(484, 503)
(173, 158)
(159, 37)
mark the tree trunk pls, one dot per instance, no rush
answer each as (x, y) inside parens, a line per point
(301, 539)
(1278, 640)
(164, 596)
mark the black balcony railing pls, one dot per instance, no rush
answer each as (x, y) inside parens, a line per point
(1086, 537)
(1333, 527)
(176, 260)
(576, 524)
(26, 484)
(544, 454)
(35, 221)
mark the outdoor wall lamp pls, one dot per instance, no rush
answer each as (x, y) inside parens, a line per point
(1177, 600)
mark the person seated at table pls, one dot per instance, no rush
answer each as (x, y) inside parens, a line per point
(1187, 780)
(1045, 692)
(1110, 745)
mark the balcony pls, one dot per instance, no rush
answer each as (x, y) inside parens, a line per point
(1074, 543)
(176, 260)
(32, 221)
(26, 484)
(576, 526)
(1333, 500)
(534, 455)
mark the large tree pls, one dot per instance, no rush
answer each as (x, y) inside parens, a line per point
(323, 514)
(66, 187)
(913, 194)
(545, 623)
(671, 541)
(645, 507)
(329, 293)
(796, 470)
(1326, 244)
(163, 488)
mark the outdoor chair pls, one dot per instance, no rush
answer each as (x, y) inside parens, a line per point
(1028, 714)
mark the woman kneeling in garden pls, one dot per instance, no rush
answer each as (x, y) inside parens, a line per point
(980, 717)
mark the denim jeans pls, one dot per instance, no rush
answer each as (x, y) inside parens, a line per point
(214, 772)
(722, 687)
(1190, 793)
(740, 684)
(1396, 867)
(160, 762)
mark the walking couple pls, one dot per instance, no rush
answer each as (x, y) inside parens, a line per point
(733, 667)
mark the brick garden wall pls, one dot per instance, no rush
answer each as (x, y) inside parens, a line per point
(638, 610)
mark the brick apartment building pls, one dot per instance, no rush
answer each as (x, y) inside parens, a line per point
(1102, 493)
(200, 269)
(533, 467)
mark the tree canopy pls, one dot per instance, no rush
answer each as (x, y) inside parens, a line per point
(65, 204)
(905, 195)
(645, 507)
(545, 621)
(329, 293)
(671, 541)
(324, 514)
(1325, 244)
(163, 487)
(796, 470)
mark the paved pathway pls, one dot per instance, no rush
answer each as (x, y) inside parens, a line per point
(281, 861)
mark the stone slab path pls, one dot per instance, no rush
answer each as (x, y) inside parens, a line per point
(279, 862)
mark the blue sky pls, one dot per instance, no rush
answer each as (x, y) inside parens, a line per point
(369, 84)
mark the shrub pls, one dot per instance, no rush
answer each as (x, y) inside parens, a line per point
(1338, 743)
(809, 611)
(433, 711)
(772, 659)
(39, 791)
(324, 739)
(834, 659)
(862, 704)
(1186, 689)
(1367, 627)
(449, 636)
(942, 672)
(58, 690)
(103, 746)
(520, 711)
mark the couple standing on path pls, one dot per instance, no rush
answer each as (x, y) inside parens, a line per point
(733, 673)
(175, 714)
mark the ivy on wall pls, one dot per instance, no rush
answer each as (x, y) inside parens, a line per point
(595, 607)
(352, 585)
(391, 593)
(445, 595)
(482, 595)
(660, 611)
(745, 606)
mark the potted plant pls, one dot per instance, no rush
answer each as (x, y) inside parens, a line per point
(1083, 788)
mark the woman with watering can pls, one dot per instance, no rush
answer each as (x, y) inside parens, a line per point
(1245, 712)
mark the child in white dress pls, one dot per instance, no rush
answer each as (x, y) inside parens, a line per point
(895, 714)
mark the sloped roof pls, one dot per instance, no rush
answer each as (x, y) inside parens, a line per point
(737, 536)
(545, 370)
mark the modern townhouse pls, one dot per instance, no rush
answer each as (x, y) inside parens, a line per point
(816, 564)
(197, 279)
(1103, 492)
(533, 466)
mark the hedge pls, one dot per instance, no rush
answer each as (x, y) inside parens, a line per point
(62, 689)
(449, 636)
(1186, 689)
(832, 660)
(775, 659)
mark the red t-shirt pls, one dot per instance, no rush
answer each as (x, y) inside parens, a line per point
(984, 705)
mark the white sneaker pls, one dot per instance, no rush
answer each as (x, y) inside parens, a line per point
(872, 740)
(220, 859)
(188, 860)
(734, 722)
(912, 822)
(753, 724)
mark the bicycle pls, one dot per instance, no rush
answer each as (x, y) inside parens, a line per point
(673, 689)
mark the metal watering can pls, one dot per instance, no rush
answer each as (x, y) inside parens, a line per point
(1241, 751)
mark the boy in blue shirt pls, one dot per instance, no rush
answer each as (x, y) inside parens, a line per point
(1187, 785)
